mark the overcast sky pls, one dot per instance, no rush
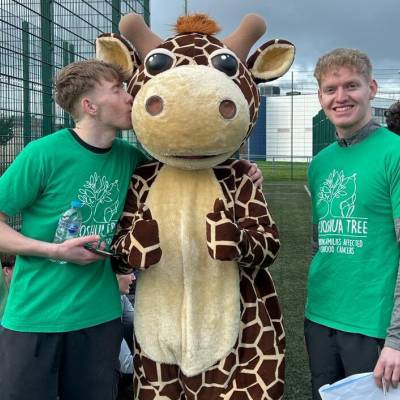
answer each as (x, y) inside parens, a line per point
(314, 26)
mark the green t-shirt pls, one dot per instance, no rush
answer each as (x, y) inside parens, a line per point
(355, 198)
(41, 183)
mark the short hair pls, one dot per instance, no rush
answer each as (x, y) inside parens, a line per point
(350, 58)
(393, 117)
(79, 78)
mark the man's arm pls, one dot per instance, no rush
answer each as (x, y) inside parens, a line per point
(13, 242)
(388, 365)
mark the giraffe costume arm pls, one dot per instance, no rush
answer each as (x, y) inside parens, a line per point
(245, 233)
(137, 236)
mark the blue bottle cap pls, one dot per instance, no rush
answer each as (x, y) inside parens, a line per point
(76, 204)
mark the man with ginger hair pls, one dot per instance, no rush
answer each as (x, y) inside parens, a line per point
(353, 304)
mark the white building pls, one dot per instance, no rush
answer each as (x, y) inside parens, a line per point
(290, 132)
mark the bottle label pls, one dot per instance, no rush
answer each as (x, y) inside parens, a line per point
(73, 229)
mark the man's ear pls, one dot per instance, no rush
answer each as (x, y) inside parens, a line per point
(373, 88)
(88, 106)
(320, 97)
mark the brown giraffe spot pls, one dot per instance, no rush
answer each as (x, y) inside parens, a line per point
(255, 392)
(201, 60)
(249, 314)
(182, 41)
(267, 371)
(273, 305)
(168, 45)
(244, 380)
(246, 289)
(229, 362)
(150, 369)
(216, 376)
(252, 364)
(266, 342)
(210, 48)
(246, 354)
(169, 373)
(146, 394)
(250, 334)
(240, 396)
(276, 391)
(171, 390)
(194, 383)
(227, 231)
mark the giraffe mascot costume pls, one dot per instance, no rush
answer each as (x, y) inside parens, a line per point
(207, 319)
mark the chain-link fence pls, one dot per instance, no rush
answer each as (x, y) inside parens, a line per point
(37, 38)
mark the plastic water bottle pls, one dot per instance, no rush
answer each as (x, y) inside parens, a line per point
(68, 225)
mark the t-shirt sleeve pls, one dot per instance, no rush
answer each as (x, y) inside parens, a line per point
(21, 183)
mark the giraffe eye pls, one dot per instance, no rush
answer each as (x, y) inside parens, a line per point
(158, 62)
(226, 63)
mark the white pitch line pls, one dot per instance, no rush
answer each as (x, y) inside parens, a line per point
(307, 190)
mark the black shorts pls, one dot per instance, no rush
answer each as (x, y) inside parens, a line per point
(334, 354)
(76, 365)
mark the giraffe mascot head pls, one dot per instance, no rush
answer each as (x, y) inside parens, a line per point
(207, 319)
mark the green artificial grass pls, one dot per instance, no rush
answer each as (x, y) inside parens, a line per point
(289, 205)
(280, 170)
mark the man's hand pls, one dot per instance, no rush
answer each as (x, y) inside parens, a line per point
(254, 173)
(73, 250)
(388, 367)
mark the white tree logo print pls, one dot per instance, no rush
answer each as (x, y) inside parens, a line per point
(97, 194)
(339, 194)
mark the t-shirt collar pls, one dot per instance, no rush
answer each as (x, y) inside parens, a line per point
(360, 135)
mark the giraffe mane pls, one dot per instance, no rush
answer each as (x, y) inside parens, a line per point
(196, 23)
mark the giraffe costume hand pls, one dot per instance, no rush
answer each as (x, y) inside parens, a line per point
(140, 245)
(220, 224)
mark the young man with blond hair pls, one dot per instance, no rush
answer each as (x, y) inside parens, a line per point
(353, 304)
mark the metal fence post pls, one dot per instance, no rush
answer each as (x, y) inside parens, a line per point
(146, 9)
(25, 76)
(116, 14)
(46, 11)
(66, 61)
(291, 131)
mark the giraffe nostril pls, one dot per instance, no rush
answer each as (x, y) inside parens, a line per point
(154, 105)
(227, 109)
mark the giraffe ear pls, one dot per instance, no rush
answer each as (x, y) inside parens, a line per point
(272, 60)
(114, 49)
